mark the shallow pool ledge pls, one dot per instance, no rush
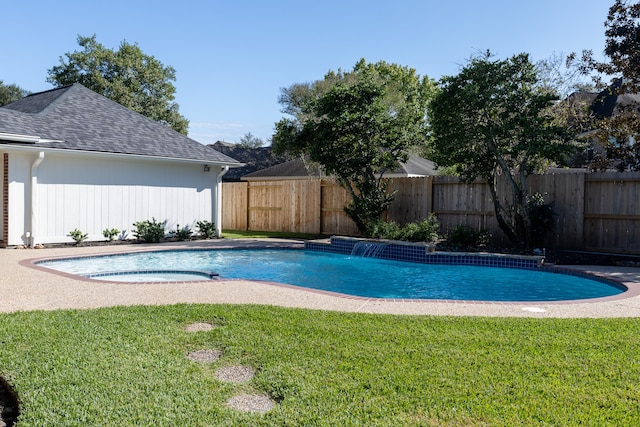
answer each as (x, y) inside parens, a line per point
(421, 253)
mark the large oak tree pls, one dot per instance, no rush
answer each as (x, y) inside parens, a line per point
(127, 76)
(358, 125)
(493, 121)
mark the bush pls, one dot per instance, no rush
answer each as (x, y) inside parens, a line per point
(78, 236)
(182, 233)
(110, 234)
(464, 237)
(385, 230)
(207, 229)
(422, 231)
(149, 231)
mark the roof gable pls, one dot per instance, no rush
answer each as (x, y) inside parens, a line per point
(76, 118)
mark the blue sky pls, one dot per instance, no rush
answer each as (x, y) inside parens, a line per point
(233, 57)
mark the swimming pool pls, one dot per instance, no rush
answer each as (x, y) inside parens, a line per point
(350, 275)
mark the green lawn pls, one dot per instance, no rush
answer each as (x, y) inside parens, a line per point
(128, 367)
(240, 234)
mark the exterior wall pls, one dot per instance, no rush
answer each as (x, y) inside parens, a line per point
(18, 180)
(4, 199)
(93, 192)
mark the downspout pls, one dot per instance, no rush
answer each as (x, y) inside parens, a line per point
(218, 211)
(34, 194)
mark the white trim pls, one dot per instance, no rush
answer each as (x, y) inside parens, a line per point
(34, 199)
(19, 138)
(118, 155)
(217, 213)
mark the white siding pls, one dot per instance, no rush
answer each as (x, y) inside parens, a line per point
(91, 193)
(19, 202)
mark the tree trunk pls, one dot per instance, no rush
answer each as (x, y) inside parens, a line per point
(499, 211)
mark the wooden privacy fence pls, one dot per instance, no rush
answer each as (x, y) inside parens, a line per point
(595, 211)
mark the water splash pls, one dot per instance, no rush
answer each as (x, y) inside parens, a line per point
(368, 249)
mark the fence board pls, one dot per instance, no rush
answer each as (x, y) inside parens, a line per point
(334, 220)
(596, 211)
(413, 201)
(234, 205)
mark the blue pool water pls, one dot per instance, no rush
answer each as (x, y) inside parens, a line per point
(365, 277)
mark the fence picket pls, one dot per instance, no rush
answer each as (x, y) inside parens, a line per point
(595, 211)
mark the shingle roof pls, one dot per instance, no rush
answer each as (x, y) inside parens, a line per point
(299, 168)
(253, 158)
(614, 99)
(76, 118)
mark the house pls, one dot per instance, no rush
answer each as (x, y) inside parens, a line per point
(73, 159)
(254, 159)
(299, 168)
(590, 108)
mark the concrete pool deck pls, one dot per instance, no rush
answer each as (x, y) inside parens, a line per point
(24, 287)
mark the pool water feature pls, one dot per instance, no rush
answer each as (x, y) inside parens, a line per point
(354, 275)
(368, 249)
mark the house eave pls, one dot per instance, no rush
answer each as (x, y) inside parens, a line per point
(34, 148)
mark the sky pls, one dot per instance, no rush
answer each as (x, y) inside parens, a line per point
(233, 57)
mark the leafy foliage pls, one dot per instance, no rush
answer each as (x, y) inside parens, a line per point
(78, 236)
(248, 140)
(10, 93)
(421, 231)
(181, 234)
(110, 234)
(463, 236)
(127, 76)
(207, 229)
(491, 121)
(358, 126)
(616, 133)
(149, 231)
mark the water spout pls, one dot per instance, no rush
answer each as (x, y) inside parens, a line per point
(368, 249)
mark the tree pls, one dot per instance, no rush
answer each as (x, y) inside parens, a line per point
(357, 126)
(10, 93)
(557, 75)
(250, 141)
(493, 121)
(127, 76)
(617, 133)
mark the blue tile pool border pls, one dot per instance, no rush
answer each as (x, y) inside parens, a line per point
(419, 253)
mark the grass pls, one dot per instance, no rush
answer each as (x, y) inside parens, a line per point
(241, 234)
(127, 366)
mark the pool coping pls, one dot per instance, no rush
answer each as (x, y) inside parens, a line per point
(626, 304)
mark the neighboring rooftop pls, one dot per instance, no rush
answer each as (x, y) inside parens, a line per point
(76, 118)
(303, 169)
(613, 99)
(254, 159)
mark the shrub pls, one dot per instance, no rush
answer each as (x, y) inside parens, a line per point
(422, 231)
(149, 231)
(78, 236)
(384, 230)
(110, 234)
(207, 229)
(465, 237)
(182, 233)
